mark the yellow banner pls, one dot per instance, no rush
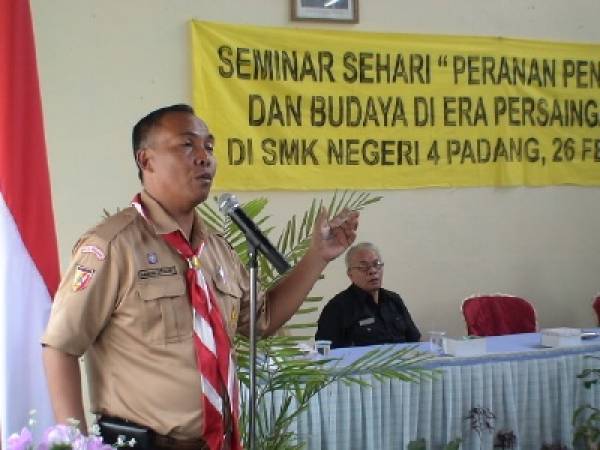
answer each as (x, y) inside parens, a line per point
(306, 109)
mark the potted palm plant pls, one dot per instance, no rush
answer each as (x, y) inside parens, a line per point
(286, 379)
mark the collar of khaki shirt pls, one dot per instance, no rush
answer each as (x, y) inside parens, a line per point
(163, 223)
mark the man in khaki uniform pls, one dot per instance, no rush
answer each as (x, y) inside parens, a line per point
(124, 298)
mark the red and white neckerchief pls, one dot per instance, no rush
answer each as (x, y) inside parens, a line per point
(213, 346)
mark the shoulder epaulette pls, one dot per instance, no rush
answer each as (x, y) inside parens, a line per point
(106, 230)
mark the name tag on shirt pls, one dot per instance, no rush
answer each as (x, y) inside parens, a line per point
(144, 274)
(367, 321)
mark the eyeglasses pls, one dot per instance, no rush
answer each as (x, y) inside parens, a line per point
(377, 265)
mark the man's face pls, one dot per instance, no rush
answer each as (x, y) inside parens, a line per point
(179, 161)
(365, 270)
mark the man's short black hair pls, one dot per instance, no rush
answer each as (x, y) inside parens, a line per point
(146, 123)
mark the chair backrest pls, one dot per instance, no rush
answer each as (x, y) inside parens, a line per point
(596, 306)
(498, 314)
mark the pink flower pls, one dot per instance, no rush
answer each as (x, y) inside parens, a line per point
(22, 441)
(62, 435)
(58, 436)
(95, 443)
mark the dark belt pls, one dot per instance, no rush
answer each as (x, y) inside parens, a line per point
(168, 443)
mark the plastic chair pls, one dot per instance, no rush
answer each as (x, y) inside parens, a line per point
(596, 306)
(498, 314)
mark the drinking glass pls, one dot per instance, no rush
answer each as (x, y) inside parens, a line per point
(323, 347)
(436, 342)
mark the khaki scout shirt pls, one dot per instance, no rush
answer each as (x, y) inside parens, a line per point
(124, 300)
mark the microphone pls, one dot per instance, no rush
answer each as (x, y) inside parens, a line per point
(229, 205)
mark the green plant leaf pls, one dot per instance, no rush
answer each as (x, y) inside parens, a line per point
(418, 444)
(453, 445)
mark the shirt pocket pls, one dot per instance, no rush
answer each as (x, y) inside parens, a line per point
(363, 331)
(166, 309)
(229, 296)
(396, 324)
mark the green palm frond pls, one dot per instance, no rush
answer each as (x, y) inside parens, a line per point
(289, 379)
(294, 240)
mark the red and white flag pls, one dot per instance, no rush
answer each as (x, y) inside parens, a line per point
(29, 269)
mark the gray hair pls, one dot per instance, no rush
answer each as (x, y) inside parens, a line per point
(360, 246)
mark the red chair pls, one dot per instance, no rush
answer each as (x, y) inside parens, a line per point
(498, 314)
(596, 306)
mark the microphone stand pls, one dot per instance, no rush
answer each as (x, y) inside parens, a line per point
(253, 262)
(229, 205)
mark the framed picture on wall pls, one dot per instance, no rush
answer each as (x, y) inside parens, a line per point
(325, 10)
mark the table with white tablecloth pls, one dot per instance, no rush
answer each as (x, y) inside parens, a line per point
(532, 392)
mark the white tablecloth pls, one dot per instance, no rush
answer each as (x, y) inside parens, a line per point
(532, 392)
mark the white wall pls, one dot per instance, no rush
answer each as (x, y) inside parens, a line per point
(104, 64)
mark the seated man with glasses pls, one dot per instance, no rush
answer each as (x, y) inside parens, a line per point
(365, 313)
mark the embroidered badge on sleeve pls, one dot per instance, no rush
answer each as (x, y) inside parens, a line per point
(82, 278)
(94, 250)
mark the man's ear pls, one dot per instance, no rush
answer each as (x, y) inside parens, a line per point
(143, 160)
